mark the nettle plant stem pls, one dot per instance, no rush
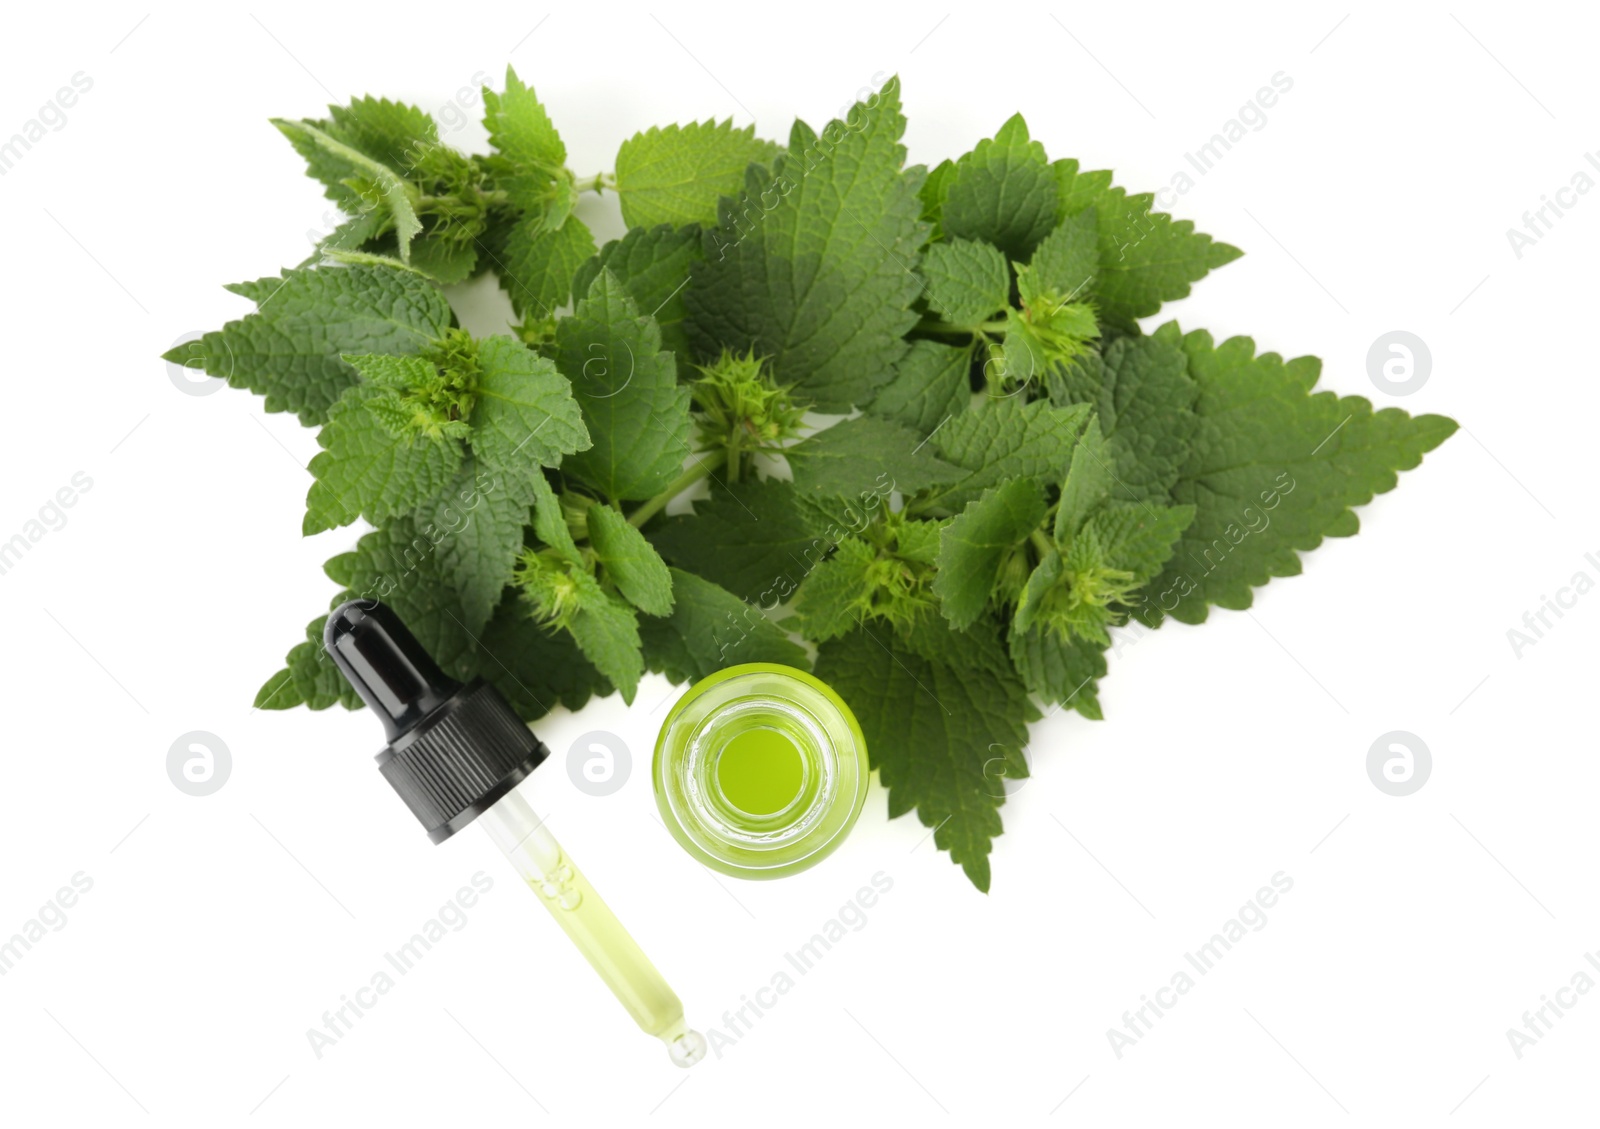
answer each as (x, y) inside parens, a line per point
(704, 465)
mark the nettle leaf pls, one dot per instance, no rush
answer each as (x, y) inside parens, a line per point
(866, 456)
(401, 565)
(1088, 483)
(525, 416)
(628, 387)
(365, 470)
(676, 174)
(653, 266)
(1146, 258)
(758, 539)
(1137, 537)
(290, 349)
(1003, 192)
(1001, 439)
(522, 133)
(378, 183)
(607, 631)
(929, 386)
(1065, 671)
(968, 282)
(550, 524)
(1066, 263)
(388, 134)
(710, 628)
(534, 667)
(1144, 398)
(837, 594)
(944, 715)
(812, 265)
(631, 562)
(481, 518)
(1272, 471)
(972, 547)
(536, 265)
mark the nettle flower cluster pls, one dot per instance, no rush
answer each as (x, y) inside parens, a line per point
(913, 428)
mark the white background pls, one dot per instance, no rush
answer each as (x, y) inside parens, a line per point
(1418, 929)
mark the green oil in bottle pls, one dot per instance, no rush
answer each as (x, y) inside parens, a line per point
(760, 771)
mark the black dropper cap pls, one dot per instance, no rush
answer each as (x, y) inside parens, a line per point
(454, 750)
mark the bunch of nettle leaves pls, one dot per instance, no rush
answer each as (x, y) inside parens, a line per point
(1019, 467)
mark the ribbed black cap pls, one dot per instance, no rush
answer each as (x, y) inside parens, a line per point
(453, 750)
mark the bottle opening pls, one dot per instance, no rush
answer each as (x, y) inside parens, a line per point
(760, 770)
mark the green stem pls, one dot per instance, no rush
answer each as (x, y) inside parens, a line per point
(1041, 543)
(733, 454)
(706, 464)
(495, 199)
(597, 183)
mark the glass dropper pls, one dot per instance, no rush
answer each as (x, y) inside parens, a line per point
(456, 753)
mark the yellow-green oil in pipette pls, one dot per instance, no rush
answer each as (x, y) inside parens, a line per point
(589, 923)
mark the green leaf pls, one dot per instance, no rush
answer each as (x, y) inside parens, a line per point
(837, 594)
(812, 266)
(628, 388)
(289, 350)
(653, 266)
(309, 678)
(1066, 262)
(710, 628)
(401, 565)
(1145, 399)
(676, 174)
(929, 386)
(968, 282)
(607, 631)
(536, 266)
(1041, 580)
(973, 546)
(522, 133)
(386, 185)
(1066, 671)
(758, 539)
(1003, 192)
(364, 470)
(1138, 537)
(1146, 258)
(480, 519)
(535, 668)
(550, 524)
(525, 416)
(866, 456)
(391, 133)
(384, 132)
(1273, 470)
(945, 719)
(446, 261)
(1005, 438)
(1088, 483)
(631, 562)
